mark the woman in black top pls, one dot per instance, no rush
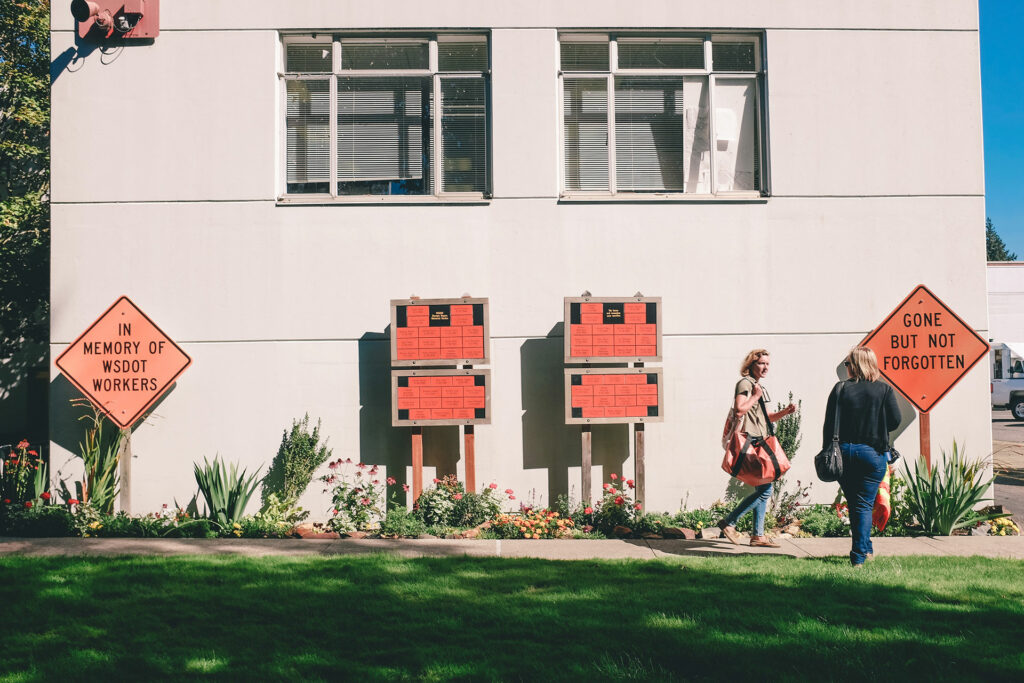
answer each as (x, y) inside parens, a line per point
(867, 411)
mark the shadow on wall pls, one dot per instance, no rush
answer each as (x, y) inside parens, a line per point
(379, 442)
(549, 443)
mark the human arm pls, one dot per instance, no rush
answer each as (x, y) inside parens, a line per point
(788, 410)
(746, 398)
(828, 428)
(891, 410)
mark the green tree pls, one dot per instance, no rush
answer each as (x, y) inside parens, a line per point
(24, 185)
(994, 245)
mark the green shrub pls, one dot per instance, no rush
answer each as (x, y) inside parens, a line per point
(402, 523)
(38, 520)
(822, 520)
(945, 500)
(100, 453)
(437, 506)
(298, 457)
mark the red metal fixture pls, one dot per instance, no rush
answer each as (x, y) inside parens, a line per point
(111, 20)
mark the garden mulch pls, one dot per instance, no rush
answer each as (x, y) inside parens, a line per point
(963, 546)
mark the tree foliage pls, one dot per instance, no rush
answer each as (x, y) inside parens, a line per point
(994, 245)
(24, 173)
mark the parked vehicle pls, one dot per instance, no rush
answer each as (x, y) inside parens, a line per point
(1007, 366)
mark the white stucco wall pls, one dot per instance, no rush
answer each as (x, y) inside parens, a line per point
(1006, 300)
(165, 178)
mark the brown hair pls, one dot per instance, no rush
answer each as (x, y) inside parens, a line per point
(862, 363)
(752, 358)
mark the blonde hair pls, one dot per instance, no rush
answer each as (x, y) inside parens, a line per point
(752, 358)
(862, 363)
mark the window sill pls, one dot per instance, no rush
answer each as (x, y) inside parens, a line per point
(669, 197)
(404, 200)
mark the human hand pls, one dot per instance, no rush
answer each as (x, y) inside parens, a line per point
(757, 392)
(790, 409)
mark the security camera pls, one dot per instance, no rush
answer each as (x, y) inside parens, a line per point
(83, 10)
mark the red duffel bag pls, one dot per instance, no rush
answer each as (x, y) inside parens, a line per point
(755, 460)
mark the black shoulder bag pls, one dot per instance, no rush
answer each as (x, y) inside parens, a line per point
(829, 462)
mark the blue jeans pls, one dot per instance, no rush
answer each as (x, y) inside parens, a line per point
(758, 501)
(863, 471)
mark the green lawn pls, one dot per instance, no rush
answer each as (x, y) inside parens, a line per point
(386, 618)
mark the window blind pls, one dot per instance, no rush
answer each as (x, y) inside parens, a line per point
(464, 134)
(585, 105)
(381, 126)
(308, 132)
(649, 134)
(661, 55)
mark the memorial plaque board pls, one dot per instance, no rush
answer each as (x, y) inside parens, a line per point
(439, 332)
(613, 395)
(440, 397)
(610, 329)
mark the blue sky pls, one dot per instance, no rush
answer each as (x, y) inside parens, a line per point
(1002, 94)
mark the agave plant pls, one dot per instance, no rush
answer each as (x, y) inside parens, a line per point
(100, 453)
(226, 490)
(943, 501)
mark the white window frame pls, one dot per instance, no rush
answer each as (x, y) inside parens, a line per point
(708, 38)
(436, 115)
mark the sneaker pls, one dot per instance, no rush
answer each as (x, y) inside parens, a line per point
(731, 533)
(763, 542)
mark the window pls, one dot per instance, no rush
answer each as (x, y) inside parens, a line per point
(640, 114)
(386, 116)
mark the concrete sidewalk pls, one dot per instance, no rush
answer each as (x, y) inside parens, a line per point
(961, 546)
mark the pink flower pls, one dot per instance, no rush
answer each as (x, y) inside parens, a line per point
(165, 504)
(457, 496)
(334, 465)
(348, 461)
(375, 481)
(373, 470)
(361, 466)
(614, 476)
(612, 490)
(334, 511)
(436, 480)
(392, 481)
(637, 506)
(606, 487)
(33, 453)
(364, 501)
(23, 443)
(493, 485)
(509, 491)
(619, 500)
(405, 487)
(588, 511)
(511, 497)
(45, 495)
(629, 483)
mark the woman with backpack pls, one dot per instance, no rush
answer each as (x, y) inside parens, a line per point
(749, 407)
(867, 412)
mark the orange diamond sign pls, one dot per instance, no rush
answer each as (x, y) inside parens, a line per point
(123, 363)
(924, 348)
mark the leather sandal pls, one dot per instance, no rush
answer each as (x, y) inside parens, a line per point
(763, 542)
(731, 533)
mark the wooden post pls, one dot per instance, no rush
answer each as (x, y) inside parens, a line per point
(639, 443)
(587, 456)
(417, 462)
(925, 420)
(470, 443)
(125, 462)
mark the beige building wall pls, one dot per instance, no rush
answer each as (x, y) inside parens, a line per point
(166, 181)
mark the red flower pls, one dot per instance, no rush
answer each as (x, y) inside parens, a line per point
(588, 511)
(637, 506)
(7, 500)
(28, 503)
(334, 465)
(511, 497)
(405, 487)
(23, 443)
(74, 501)
(619, 500)
(165, 504)
(14, 462)
(33, 453)
(612, 490)
(606, 487)
(629, 483)
(436, 480)
(509, 491)
(45, 495)
(392, 481)
(334, 511)
(457, 496)
(493, 485)
(614, 476)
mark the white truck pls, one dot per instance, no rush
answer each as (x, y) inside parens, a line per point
(1007, 365)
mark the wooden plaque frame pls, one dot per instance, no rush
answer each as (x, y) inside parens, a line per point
(570, 372)
(567, 337)
(396, 422)
(485, 360)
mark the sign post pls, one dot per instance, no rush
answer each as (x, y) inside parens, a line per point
(123, 363)
(923, 350)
